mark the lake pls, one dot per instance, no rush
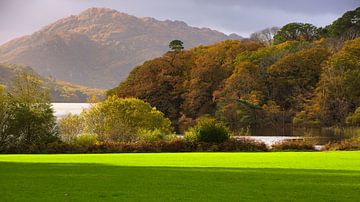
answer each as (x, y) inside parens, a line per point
(62, 109)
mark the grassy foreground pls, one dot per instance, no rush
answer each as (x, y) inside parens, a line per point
(276, 176)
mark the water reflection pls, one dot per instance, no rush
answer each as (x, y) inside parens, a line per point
(320, 135)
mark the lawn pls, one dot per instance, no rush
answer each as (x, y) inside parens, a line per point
(272, 176)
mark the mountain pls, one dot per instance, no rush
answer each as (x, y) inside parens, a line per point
(61, 91)
(100, 46)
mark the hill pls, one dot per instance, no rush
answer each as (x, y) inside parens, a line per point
(100, 46)
(249, 85)
(61, 91)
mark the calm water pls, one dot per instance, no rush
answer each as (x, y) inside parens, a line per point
(321, 135)
(62, 109)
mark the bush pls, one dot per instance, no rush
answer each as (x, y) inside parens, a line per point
(351, 144)
(207, 130)
(243, 144)
(293, 145)
(154, 135)
(85, 139)
(191, 136)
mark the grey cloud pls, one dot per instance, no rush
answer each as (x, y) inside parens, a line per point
(19, 17)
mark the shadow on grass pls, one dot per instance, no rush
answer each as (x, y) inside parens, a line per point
(98, 182)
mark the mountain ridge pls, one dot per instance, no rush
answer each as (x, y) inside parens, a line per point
(100, 46)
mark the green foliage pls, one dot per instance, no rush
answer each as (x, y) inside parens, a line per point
(70, 127)
(117, 119)
(191, 135)
(4, 116)
(346, 27)
(354, 118)
(85, 139)
(207, 130)
(266, 56)
(30, 119)
(296, 32)
(239, 114)
(146, 135)
(176, 45)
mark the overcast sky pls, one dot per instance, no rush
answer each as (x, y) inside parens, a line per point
(20, 17)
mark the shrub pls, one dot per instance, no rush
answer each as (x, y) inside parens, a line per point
(212, 132)
(350, 144)
(294, 145)
(191, 135)
(85, 139)
(207, 130)
(243, 144)
(154, 135)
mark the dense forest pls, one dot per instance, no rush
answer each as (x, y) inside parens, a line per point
(298, 75)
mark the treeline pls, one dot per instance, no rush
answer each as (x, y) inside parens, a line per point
(28, 125)
(299, 76)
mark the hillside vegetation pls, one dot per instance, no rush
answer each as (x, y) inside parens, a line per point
(60, 91)
(308, 77)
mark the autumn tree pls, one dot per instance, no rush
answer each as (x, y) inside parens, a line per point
(210, 70)
(338, 92)
(293, 78)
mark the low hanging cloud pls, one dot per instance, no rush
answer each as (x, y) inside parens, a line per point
(19, 17)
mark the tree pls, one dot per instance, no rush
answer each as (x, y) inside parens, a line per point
(239, 114)
(338, 92)
(176, 45)
(31, 119)
(123, 119)
(346, 27)
(354, 118)
(296, 32)
(246, 82)
(4, 117)
(265, 36)
(293, 78)
(70, 127)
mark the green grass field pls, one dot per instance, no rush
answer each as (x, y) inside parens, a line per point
(275, 176)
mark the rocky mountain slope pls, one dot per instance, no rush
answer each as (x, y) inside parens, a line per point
(100, 46)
